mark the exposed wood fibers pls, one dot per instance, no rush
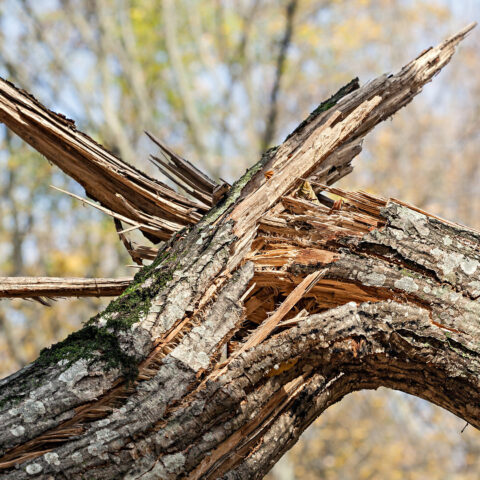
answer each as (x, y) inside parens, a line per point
(187, 176)
(304, 233)
(278, 296)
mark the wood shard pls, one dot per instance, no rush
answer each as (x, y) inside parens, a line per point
(187, 176)
(267, 327)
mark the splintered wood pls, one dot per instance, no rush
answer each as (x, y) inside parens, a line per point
(306, 233)
(124, 191)
(187, 176)
(261, 333)
(271, 255)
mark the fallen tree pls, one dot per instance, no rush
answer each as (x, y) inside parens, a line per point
(255, 317)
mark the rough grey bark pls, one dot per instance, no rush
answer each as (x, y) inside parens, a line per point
(159, 386)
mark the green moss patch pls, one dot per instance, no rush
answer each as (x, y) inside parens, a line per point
(10, 401)
(101, 342)
(90, 342)
(329, 103)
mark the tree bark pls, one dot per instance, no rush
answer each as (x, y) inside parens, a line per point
(51, 287)
(249, 325)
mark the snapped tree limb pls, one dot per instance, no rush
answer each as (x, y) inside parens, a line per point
(113, 183)
(247, 327)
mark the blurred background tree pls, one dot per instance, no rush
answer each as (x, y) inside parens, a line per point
(219, 81)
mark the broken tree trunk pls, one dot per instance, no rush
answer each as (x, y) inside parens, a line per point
(272, 308)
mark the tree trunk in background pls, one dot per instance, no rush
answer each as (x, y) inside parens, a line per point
(250, 324)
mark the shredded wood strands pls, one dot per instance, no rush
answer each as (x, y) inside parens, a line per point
(103, 175)
(306, 234)
(262, 332)
(364, 201)
(187, 176)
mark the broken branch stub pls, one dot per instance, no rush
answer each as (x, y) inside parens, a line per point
(101, 173)
(52, 287)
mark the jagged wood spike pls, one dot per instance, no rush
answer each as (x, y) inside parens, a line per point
(340, 121)
(202, 187)
(111, 213)
(397, 90)
(184, 167)
(172, 173)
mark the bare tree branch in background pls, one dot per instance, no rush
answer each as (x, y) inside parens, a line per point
(271, 121)
(239, 57)
(129, 58)
(189, 102)
(106, 38)
(57, 59)
(6, 328)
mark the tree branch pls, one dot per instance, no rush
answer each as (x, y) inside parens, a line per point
(271, 122)
(187, 176)
(342, 120)
(50, 287)
(101, 174)
(316, 364)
